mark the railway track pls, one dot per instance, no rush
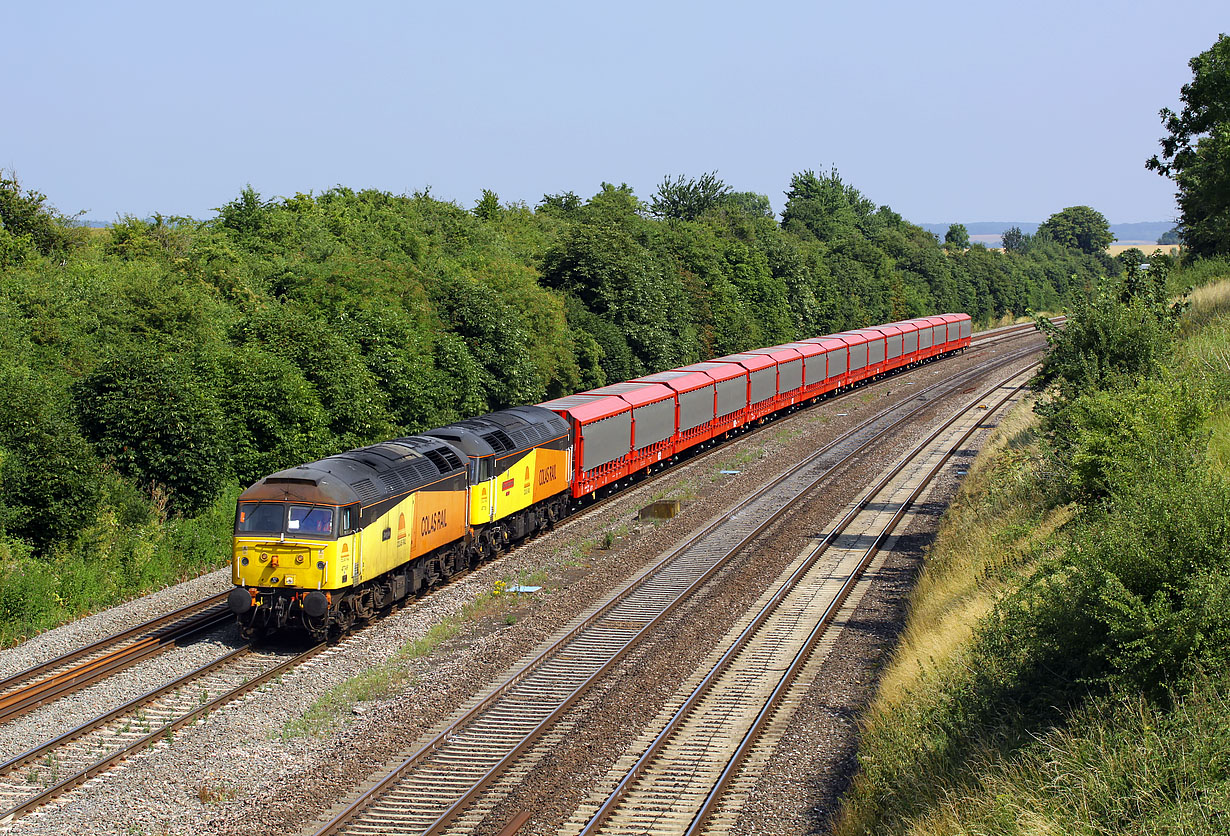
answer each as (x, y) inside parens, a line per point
(678, 781)
(41, 774)
(77, 669)
(437, 783)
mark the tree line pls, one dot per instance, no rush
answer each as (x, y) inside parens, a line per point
(152, 366)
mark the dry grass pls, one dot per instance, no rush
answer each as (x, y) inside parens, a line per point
(1207, 302)
(986, 539)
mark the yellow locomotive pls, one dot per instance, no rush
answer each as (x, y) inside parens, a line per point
(325, 544)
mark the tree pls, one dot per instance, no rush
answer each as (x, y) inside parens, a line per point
(488, 207)
(24, 214)
(1171, 238)
(686, 199)
(157, 420)
(823, 208)
(957, 238)
(1014, 240)
(1196, 154)
(1079, 227)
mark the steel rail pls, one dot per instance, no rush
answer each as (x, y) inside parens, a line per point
(18, 761)
(73, 655)
(339, 820)
(65, 682)
(152, 737)
(704, 687)
(796, 665)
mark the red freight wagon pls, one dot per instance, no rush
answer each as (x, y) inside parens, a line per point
(909, 341)
(653, 420)
(960, 330)
(761, 382)
(931, 331)
(866, 353)
(815, 369)
(601, 439)
(789, 362)
(837, 355)
(894, 344)
(729, 391)
(694, 404)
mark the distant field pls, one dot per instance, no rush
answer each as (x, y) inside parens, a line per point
(1147, 247)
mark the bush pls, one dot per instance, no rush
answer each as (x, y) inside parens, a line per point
(153, 416)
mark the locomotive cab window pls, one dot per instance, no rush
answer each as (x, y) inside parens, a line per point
(350, 519)
(482, 469)
(259, 518)
(309, 521)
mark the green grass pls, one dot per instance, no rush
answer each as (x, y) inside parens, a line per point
(332, 708)
(1039, 686)
(1122, 766)
(107, 563)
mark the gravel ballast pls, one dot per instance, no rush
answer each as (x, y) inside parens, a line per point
(245, 770)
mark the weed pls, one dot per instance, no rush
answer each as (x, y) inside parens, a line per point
(207, 794)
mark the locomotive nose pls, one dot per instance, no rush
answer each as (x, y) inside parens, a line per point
(239, 601)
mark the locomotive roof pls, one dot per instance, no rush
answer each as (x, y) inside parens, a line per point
(367, 474)
(507, 431)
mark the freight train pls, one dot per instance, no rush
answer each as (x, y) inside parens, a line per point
(323, 545)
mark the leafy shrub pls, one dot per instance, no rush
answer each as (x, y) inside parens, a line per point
(154, 417)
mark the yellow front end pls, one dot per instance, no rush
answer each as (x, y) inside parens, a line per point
(261, 562)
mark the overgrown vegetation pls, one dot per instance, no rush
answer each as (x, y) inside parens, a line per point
(153, 367)
(1064, 669)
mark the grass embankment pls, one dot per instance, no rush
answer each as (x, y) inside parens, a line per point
(127, 552)
(1064, 666)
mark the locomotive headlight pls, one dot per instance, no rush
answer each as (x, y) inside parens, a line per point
(264, 558)
(299, 559)
(320, 564)
(243, 561)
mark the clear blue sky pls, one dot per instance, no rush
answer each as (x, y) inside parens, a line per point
(959, 111)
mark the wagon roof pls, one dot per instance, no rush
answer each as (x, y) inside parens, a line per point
(586, 408)
(637, 393)
(678, 379)
(751, 362)
(716, 371)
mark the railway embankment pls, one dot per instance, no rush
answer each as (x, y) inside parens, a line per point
(1064, 665)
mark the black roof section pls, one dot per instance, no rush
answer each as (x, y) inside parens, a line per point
(368, 474)
(512, 430)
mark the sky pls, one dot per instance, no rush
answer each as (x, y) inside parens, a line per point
(953, 112)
